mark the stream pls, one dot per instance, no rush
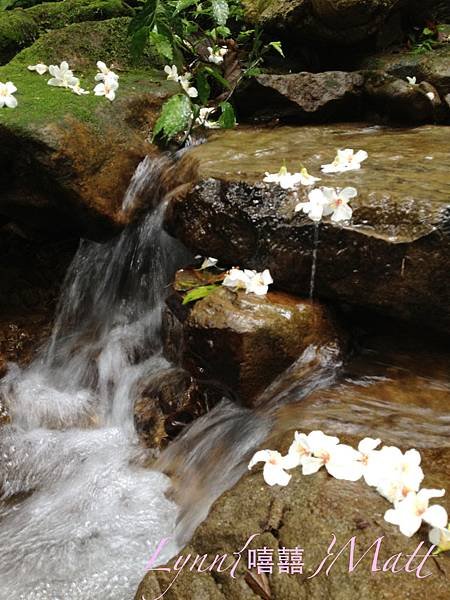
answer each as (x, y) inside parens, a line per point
(80, 511)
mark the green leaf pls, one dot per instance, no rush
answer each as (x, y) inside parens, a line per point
(139, 40)
(220, 11)
(182, 4)
(162, 44)
(227, 119)
(145, 17)
(223, 31)
(203, 87)
(176, 115)
(198, 293)
(215, 73)
(427, 31)
(277, 46)
(252, 72)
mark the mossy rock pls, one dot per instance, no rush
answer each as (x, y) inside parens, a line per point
(76, 153)
(20, 28)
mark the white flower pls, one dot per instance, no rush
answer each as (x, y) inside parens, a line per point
(107, 88)
(172, 73)
(321, 448)
(259, 283)
(216, 54)
(337, 203)
(203, 120)
(274, 470)
(62, 76)
(78, 90)
(440, 537)
(184, 81)
(298, 450)
(346, 160)
(306, 178)
(283, 178)
(6, 95)
(409, 513)
(411, 80)
(209, 262)
(250, 281)
(316, 205)
(393, 473)
(40, 68)
(431, 96)
(105, 72)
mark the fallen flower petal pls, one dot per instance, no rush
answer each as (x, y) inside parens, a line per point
(40, 68)
(7, 91)
(274, 469)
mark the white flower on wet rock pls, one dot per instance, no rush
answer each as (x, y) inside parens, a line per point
(411, 80)
(321, 448)
(172, 73)
(62, 76)
(346, 160)
(337, 203)
(185, 82)
(315, 207)
(307, 179)
(40, 68)
(259, 283)
(104, 72)
(431, 96)
(215, 55)
(395, 474)
(440, 537)
(107, 88)
(352, 464)
(7, 91)
(409, 513)
(237, 279)
(208, 263)
(283, 178)
(274, 469)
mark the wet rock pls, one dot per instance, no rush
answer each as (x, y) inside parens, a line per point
(20, 28)
(165, 404)
(302, 95)
(66, 161)
(3, 366)
(401, 101)
(245, 341)
(392, 257)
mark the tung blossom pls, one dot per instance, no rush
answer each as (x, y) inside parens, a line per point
(104, 72)
(321, 448)
(248, 280)
(78, 90)
(409, 513)
(274, 469)
(215, 55)
(411, 80)
(62, 76)
(185, 82)
(203, 120)
(7, 91)
(440, 538)
(283, 178)
(307, 179)
(431, 96)
(315, 206)
(209, 262)
(346, 160)
(326, 201)
(40, 68)
(107, 88)
(395, 474)
(172, 73)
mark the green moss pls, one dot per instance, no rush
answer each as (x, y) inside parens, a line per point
(17, 30)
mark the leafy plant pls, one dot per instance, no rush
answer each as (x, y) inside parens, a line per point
(424, 41)
(208, 50)
(199, 293)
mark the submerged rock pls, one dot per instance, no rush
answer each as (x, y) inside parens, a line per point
(67, 160)
(244, 341)
(392, 256)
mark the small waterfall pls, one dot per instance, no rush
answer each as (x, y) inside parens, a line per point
(312, 283)
(79, 513)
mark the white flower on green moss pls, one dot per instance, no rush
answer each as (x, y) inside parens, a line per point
(274, 469)
(411, 80)
(283, 178)
(307, 179)
(215, 55)
(7, 91)
(40, 68)
(440, 537)
(346, 160)
(209, 262)
(409, 513)
(107, 88)
(78, 90)
(62, 76)
(172, 73)
(104, 72)
(185, 82)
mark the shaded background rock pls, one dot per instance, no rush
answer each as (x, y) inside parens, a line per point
(392, 257)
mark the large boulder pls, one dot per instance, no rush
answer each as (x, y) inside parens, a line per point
(67, 160)
(244, 341)
(392, 256)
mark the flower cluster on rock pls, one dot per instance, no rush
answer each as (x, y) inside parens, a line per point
(395, 475)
